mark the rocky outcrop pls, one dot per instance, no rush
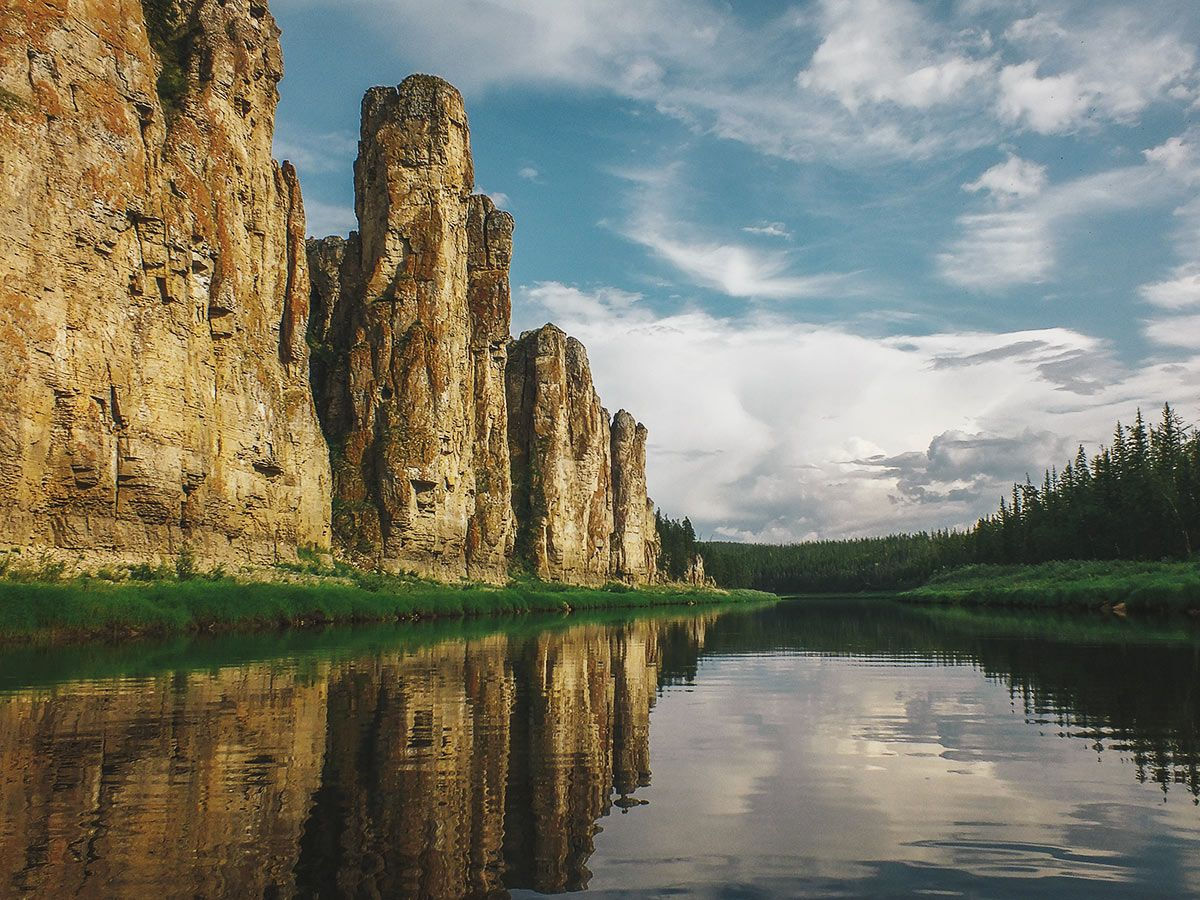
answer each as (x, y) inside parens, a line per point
(560, 444)
(181, 369)
(154, 388)
(411, 345)
(491, 530)
(634, 540)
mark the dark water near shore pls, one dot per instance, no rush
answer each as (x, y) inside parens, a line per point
(812, 748)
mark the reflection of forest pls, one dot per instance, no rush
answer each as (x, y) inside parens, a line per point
(459, 769)
(467, 767)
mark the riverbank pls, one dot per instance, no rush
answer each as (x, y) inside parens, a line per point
(1116, 585)
(90, 607)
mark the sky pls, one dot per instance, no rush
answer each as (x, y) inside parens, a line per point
(858, 265)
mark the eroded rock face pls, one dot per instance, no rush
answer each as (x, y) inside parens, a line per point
(634, 540)
(153, 289)
(560, 445)
(410, 316)
(491, 530)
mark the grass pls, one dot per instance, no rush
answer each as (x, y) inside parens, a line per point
(178, 599)
(1073, 584)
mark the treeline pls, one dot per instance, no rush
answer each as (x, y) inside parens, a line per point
(1137, 499)
(868, 564)
(677, 546)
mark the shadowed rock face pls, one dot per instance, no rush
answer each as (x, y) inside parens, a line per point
(410, 316)
(153, 291)
(560, 442)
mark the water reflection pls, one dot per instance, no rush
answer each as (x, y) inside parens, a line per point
(799, 749)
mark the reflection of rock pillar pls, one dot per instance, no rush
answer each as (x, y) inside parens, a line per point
(635, 668)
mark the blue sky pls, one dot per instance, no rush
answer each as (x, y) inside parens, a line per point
(856, 264)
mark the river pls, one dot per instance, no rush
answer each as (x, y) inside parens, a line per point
(811, 748)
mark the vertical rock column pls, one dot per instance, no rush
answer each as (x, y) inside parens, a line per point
(403, 452)
(634, 554)
(559, 440)
(490, 530)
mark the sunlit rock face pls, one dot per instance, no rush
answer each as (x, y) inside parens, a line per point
(410, 317)
(193, 784)
(634, 539)
(153, 289)
(560, 445)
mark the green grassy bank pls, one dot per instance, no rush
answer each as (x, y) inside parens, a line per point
(1114, 584)
(90, 607)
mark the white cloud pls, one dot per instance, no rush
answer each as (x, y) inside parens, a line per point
(1104, 64)
(734, 269)
(1014, 178)
(773, 429)
(1018, 244)
(1180, 291)
(313, 154)
(769, 229)
(500, 198)
(852, 80)
(529, 173)
(877, 51)
(1175, 331)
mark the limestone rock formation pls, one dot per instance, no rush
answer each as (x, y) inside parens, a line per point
(409, 317)
(154, 387)
(491, 530)
(634, 541)
(560, 446)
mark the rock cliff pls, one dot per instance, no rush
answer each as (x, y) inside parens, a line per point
(560, 444)
(634, 540)
(154, 388)
(410, 317)
(454, 451)
(158, 303)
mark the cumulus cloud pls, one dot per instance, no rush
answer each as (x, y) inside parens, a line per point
(1015, 178)
(767, 428)
(529, 173)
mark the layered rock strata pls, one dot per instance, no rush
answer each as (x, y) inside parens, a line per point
(560, 446)
(154, 388)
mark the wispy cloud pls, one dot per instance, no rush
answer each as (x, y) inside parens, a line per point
(769, 229)
(735, 269)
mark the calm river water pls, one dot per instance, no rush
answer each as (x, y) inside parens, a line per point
(808, 748)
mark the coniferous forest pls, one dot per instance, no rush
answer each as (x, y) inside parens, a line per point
(1136, 499)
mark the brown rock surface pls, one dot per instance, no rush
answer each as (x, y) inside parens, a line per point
(560, 445)
(153, 288)
(410, 319)
(490, 533)
(634, 540)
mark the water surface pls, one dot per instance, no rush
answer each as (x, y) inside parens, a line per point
(804, 749)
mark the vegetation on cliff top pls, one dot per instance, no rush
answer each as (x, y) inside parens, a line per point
(176, 598)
